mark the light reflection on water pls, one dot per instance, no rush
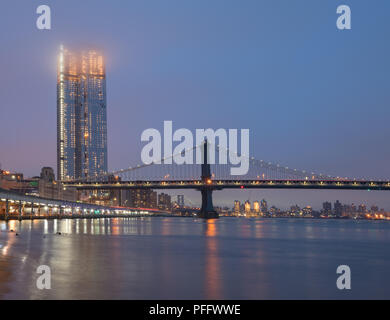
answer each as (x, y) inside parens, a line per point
(184, 258)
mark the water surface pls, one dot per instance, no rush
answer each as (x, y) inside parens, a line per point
(185, 258)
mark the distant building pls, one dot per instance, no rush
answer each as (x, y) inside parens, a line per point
(256, 207)
(47, 174)
(140, 198)
(362, 209)
(264, 206)
(295, 210)
(327, 208)
(16, 182)
(338, 208)
(180, 200)
(10, 180)
(49, 188)
(307, 211)
(236, 209)
(274, 211)
(374, 209)
(164, 202)
(247, 207)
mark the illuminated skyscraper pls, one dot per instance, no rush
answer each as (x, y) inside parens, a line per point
(256, 207)
(247, 206)
(81, 115)
(237, 207)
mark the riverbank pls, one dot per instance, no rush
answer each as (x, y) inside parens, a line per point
(77, 216)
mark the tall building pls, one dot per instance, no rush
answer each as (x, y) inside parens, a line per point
(180, 200)
(247, 207)
(264, 206)
(338, 208)
(81, 115)
(256, 206)
(164, 201)
(237, 208)
(327, 208)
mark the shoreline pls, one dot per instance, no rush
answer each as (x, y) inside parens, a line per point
(94, 216)
(90, 216)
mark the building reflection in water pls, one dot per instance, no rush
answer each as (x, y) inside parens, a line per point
(212, 272)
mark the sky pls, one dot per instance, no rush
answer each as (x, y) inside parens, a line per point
(314, 97)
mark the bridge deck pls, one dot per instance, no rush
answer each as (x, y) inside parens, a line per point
(235, 184)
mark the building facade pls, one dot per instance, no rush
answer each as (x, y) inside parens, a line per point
(164, 202)
(141, 198)
(180, 200)
(81, 115)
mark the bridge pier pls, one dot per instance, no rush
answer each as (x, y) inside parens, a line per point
(20, 210)
(6, 209)
(207, 210)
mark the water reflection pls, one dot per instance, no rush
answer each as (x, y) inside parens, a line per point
(171, 258)
(213, 285)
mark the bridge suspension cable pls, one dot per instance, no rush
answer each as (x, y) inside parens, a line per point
(166, 168)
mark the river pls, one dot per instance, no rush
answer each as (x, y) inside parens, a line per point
(185, 258)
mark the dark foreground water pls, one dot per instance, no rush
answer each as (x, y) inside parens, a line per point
(183, 258)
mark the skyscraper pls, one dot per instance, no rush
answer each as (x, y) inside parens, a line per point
(247, 207)
(338, 208)
(180, 200)
(81, 115)
(237, 207)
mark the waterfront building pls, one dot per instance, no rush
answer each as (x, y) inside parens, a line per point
(81, 115)
(140, 198)
(327, 208)
(256, 207)
(51, 189)
(338, 208)
(264, 206)
(307, 211)
(247, 207)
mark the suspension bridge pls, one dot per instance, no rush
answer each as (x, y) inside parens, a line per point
(208, 177)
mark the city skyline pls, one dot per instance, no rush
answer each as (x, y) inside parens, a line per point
(161, 71)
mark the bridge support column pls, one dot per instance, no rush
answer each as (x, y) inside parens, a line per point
(207, 211)
(20, 210)
(32, 210)
(6, 209)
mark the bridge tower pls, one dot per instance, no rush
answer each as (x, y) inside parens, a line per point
(207, 210)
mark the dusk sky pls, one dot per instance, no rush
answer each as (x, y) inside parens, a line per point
(314, 97)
